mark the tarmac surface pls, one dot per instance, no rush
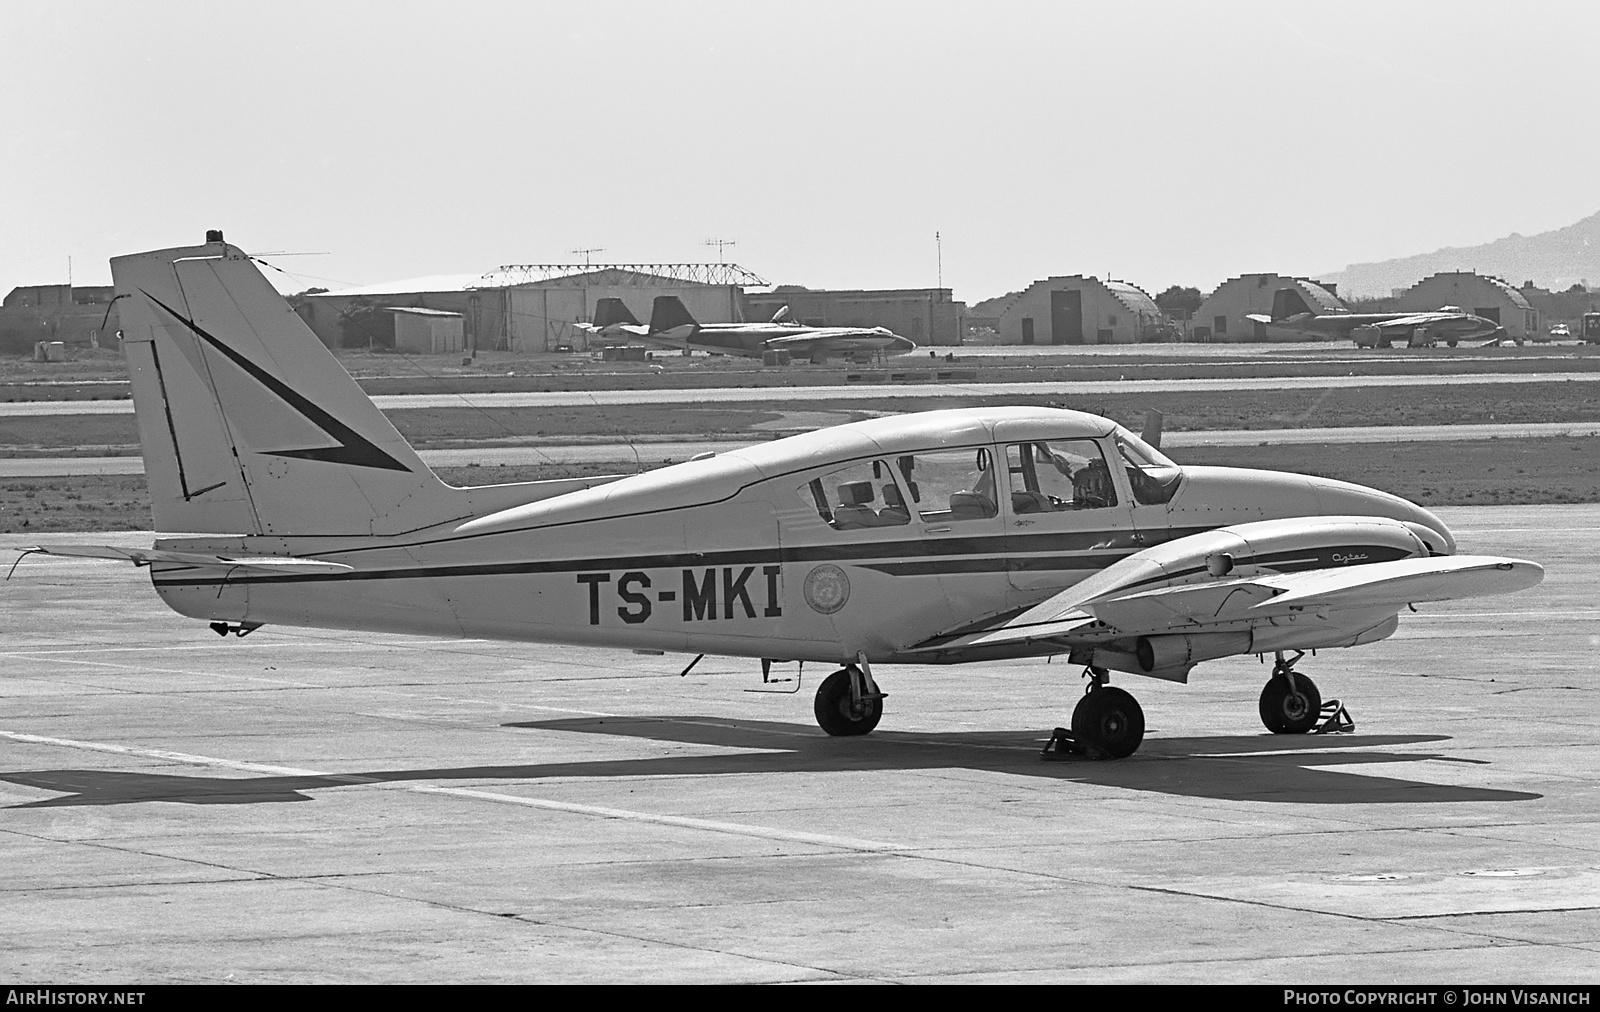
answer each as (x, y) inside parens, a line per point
(653, 452)
(855, 391)
(305, 805)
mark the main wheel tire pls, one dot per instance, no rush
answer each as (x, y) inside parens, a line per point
(834, 713)
(1286, 712)
(1110, 721)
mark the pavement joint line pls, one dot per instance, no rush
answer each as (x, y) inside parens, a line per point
(1242, 958)
(627, 815)
(623, 814)
(142, 669)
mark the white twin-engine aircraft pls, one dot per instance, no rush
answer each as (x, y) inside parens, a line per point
(939, 537)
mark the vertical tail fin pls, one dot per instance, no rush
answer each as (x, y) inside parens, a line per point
(669, 312)
(249, 424)
(613, 311)
(1287, 302)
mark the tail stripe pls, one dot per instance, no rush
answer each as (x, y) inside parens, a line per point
(353, 449)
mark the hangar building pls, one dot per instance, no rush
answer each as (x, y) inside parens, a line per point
(928, 316)
(1221, 317)
(532, 307)
(1478, 294)
(72, 314)
(1082, 310)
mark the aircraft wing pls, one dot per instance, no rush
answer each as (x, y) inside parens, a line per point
(145, 556)
(1419, 320)
(846, 341)
(792, 341)
(1071, 618)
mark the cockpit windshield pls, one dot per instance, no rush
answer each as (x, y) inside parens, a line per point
(1154, 478)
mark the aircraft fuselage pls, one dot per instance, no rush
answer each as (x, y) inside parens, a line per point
(738, 555)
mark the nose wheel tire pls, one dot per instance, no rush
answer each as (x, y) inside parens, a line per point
(1110, 721)
(837, 714)
(1286, 710)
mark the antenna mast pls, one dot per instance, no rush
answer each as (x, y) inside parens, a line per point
(719, 244)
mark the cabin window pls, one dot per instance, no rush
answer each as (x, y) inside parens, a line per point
(858, 496)
(1060, 474)
(1154, 478)
(951, 485)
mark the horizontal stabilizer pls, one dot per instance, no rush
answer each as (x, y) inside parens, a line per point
(145, 556)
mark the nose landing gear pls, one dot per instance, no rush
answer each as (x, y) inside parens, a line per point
(1290, 702)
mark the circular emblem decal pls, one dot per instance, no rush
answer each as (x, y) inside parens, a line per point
(827, 589)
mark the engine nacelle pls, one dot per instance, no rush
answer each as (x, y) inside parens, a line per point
(1181, 651)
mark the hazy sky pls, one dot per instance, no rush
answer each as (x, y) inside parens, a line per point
(1162, 143)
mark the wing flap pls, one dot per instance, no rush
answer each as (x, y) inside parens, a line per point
(145, 556)
(1011, 633)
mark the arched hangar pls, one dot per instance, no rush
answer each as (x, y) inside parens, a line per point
(1083, 310)
(1223, 316)
(1478, 294)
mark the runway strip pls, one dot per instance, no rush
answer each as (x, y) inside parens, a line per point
(652, 454)
(853, 391)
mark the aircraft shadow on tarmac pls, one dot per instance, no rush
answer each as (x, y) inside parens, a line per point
(1266, 768)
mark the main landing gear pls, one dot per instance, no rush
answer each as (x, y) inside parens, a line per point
(848, 701)
(1107, 723)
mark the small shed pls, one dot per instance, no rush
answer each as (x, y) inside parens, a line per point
(427, 331)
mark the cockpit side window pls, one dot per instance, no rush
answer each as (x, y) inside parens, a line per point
(857, 496)
(1061, 474)
(1154, 478)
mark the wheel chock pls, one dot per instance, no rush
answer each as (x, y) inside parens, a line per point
(1062, 746)
(1335, 719)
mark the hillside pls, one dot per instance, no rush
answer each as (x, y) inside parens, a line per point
(1554, 260)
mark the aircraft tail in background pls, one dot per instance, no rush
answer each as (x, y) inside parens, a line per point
(668, 313)
(608, 312)
(1287, 303)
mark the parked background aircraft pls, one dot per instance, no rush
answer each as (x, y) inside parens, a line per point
(939, 537)
(672, 325)
(1448, 324)
(613, 323)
